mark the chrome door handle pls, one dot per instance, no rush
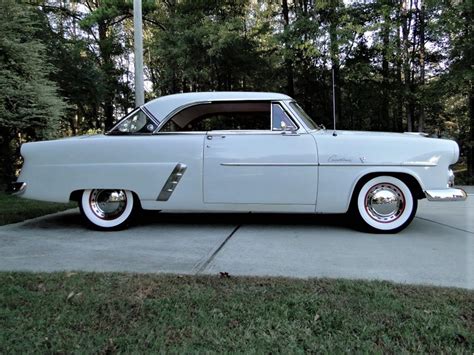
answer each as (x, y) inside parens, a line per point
(209, 137)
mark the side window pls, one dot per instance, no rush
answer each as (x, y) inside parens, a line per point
(280, 119)
(136, 122)
(221, 116)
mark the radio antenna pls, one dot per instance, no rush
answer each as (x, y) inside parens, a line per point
(334, 103)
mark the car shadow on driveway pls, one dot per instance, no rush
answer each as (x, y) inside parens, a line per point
(72, 219)
(156, 218)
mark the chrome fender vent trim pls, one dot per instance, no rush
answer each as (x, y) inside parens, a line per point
(172, 182)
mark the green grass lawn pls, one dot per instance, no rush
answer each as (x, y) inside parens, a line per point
(14, 209)
(111, 312)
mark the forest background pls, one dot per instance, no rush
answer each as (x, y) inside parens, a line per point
(66, 67)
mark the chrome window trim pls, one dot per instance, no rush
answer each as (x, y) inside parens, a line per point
(150, 115)
(147, 114)
(250, 132)
(181, 133)
(300, 129)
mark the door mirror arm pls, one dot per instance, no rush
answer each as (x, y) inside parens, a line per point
(289, 130)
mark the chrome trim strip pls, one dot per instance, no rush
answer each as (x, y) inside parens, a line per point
(422, 134)
(446, 195)
(415, 163)
(380, 164)
(322, 164)
(172, 182)
(269, 164)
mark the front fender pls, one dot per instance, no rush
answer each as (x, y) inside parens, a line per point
(342, 181)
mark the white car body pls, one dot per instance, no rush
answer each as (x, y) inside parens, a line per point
(304, 170)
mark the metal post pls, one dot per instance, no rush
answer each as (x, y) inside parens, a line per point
(138, 45)
(334, 103)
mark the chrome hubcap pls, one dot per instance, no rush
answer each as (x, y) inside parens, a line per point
(384, 202)
(108, 204)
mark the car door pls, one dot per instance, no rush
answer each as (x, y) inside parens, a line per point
(278, 166)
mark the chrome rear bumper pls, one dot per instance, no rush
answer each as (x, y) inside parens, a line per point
(446, 195)
(17, 188)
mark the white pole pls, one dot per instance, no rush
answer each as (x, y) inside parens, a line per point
(138, 45)
(334, 102)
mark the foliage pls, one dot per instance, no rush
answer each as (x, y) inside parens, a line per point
(30, 108)
(200, 46)
(14, 209)
(129, 313)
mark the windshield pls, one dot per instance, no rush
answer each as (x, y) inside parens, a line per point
(303, 116)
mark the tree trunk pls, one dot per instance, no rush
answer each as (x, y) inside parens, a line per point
(7, 170)
(406, 14)
(399, 95)
(470, 148)
(108, 69)
(334, 52)
(385, 124)
(288, 61)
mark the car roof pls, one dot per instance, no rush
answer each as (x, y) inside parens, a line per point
(163, 106)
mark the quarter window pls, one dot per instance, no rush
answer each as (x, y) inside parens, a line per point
(280, 119)
(136, 122)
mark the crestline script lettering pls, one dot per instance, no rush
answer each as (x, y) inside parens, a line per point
(336, 158)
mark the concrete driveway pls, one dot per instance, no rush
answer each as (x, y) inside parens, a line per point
(437, 248)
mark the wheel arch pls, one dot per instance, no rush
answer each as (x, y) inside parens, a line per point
(77, 194)
(410, 180)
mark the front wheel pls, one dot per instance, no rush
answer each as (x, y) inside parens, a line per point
(384, 204)
(107, 209)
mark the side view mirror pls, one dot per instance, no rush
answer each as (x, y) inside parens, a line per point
(285, 128)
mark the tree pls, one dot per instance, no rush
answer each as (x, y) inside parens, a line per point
(30, 108)
(206, 45)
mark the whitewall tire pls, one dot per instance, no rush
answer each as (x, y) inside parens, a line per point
(107, 209)
(385, 204)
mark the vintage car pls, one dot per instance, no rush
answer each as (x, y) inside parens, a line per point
(239, 152)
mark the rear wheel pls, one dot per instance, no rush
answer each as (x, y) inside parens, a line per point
(107, 209)
(384, 204)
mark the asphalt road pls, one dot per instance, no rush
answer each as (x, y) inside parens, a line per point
(437, 248)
